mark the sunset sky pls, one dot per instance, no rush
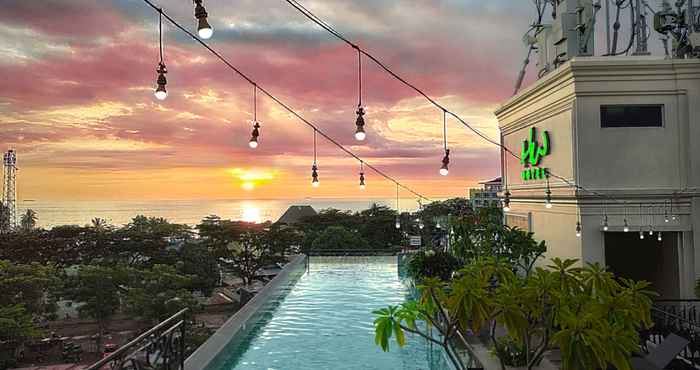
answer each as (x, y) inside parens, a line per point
(77, 80)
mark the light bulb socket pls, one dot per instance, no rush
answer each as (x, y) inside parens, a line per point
(314, 174)
(362, 180)
(199, 11)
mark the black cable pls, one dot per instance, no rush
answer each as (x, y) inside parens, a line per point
(315, 146)
(160, 33)
(359, 78)
(279, 102)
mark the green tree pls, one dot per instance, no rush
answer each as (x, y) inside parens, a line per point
(28, 285)
(145, 238)
(195, 260)
(250, 253)
(281, 239)
(378, 227)
(593, 319)
(28, 220)
(159, 292)
(339, 238)
(97, 290)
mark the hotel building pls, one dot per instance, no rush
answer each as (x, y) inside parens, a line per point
(625, 132)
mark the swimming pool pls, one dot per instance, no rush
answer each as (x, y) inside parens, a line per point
(324, 321)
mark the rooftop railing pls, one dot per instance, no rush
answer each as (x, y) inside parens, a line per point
(162, 348)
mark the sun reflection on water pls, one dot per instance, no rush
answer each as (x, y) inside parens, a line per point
(251, 214)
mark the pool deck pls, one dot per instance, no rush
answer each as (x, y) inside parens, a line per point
(208, 351)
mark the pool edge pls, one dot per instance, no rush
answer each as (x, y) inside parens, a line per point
(212, 347)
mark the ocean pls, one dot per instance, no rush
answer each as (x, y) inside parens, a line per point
(190, 212)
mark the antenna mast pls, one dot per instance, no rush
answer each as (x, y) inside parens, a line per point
(9, 190)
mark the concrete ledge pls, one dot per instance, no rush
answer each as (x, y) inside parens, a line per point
(208, 351)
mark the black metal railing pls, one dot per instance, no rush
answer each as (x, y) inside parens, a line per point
(353, 252)
(160, 348)
(678, 317)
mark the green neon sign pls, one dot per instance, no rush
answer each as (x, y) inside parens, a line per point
(531, 156)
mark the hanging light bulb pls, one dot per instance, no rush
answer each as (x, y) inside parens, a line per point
(421, 225)
(666, 217)
(446, 159)
(398, 222)
(605, 223)
(161, 93)
(578, 229)
(362, 175)
(314, 175)
(506, 202)
(203, 28)
(360, 134)
(651, 231)
(438, 225)
(253, 143)
(548, 198)
(360, 123)
(626, 228)
(659, 236)
(444, 170)
(641, 234)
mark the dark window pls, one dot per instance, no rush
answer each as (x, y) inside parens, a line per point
(631, 115)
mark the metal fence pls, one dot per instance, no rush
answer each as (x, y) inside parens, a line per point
(162, 348)
(679, 317)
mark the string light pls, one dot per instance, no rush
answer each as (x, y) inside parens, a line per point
(641, 222)
(506, 201)
(362, 176)
(665, 212)
(203, 28)
(673, 215)
(282, 104)
(626, 227)
(310, 15)
(360, 122)
(605, 217)
(548, 197)
(421, 225)
(444, 170)
(605, 223)
(161, 93)
(659, 236)
(651, 220)
(578, 229)
(253, 143)
(314, 167)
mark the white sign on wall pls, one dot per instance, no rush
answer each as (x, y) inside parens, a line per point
(415, 241)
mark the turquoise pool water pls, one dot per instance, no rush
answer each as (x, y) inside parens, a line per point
(324, 321)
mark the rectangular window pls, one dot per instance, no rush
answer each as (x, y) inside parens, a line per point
(648, 115)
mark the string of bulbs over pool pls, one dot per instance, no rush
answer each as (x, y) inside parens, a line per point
(205, 31)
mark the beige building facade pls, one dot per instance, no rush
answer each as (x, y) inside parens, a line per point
(616, 141)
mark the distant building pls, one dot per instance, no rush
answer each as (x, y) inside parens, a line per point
(295, 214)
(487, 196)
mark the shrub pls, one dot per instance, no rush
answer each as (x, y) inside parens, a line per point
(433, 264)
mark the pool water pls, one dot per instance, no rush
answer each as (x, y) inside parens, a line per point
(325, 321)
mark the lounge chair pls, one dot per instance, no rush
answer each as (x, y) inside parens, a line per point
(662, 355)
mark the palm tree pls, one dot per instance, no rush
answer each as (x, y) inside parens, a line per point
(28, 220)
